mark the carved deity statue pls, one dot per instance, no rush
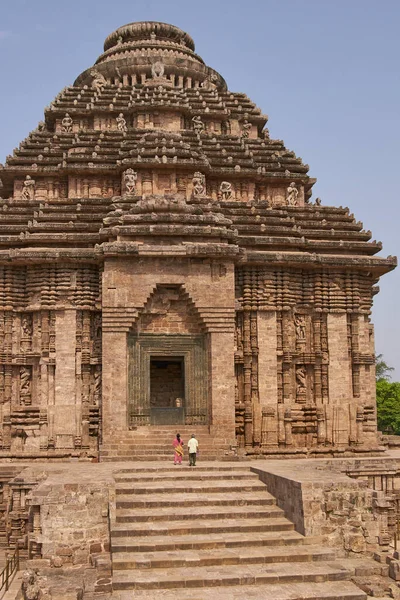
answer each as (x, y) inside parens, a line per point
(301, 380)
(129, 179)
(225, 190)
(198, 124)
(26, 326)
(300, 326)
(121, 123)
(157, 70)
(318, 202)
(199, 184)
(246, 128)
(25, 381)
(99, 81)
(66, 124)
(28, 191)
(291, 194)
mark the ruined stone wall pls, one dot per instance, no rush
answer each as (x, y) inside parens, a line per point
(304, 361)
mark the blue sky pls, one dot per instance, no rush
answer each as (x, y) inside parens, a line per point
(327, 74)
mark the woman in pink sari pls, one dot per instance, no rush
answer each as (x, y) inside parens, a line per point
(178, 450)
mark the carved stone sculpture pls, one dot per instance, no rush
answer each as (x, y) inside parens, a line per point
(121, 123)
(157, 70)
(99, 81)
(225, 190)
(198, 124)
(291, 194)
(300, 326)
(25, 381)
(246, 128)
(28, 191)
(199, 184)
(301, 380)
(129, 181)
(66, 124)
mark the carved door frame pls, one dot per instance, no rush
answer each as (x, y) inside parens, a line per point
(143, 347)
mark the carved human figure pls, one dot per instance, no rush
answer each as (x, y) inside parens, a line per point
(318, 201)
(157, 70)
(28, 191)
(300, 326)
(129, 181)
(246, 128)
(301, 380)
(97, 384)
(26, 326)
(25, 381)
(199, 184)
(121, 123)
(66, 124)
(291, 194)
(225, 190)
(99, 81)
(198, 124)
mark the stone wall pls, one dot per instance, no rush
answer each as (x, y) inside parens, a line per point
(324, 502)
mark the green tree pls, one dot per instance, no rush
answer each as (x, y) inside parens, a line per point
(387, 398)
(381, 368)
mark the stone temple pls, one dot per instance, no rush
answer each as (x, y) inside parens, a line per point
(163, 267)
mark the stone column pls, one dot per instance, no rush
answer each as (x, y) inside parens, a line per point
(64, 419)
(268, 375)
(222, 385)
(340, 385)
(114, 383)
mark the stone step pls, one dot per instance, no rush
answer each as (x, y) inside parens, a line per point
(192, 475)
(178, 500)
(335, 590)
(167, 467)
(227, 575)
(209, 541)
(140, 458)
(276, 522)
(219, 557)
(192, 487)
(206, 512)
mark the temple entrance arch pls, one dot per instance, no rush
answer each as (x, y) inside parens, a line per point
(168, 366)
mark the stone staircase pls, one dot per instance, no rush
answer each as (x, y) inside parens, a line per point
(214, 531)
(155, 444)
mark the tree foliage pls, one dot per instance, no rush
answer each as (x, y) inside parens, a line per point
(387, 398)
(382, 369)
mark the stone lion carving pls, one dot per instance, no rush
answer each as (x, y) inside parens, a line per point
(157, 70)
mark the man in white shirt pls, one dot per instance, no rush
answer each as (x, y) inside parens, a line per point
(193, 445)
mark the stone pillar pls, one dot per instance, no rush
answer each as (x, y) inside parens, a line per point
(340, 384)
(222, 385)
(114, 383)
(267, 358)
(268, 376)
(64, 419)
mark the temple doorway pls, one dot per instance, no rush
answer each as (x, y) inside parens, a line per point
(167, 390)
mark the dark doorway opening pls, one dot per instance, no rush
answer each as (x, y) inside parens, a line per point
(167, 390)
